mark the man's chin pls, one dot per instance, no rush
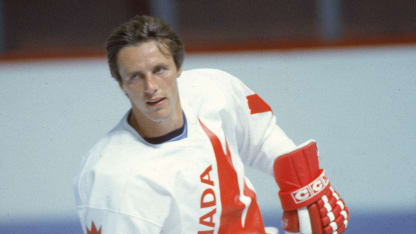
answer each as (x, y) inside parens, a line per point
(159, 117)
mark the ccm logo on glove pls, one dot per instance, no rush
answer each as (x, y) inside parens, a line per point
(311, 189)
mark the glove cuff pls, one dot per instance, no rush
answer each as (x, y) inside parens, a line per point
(299, 177)
(293, 200)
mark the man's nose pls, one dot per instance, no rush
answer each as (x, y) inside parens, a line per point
(150, 85)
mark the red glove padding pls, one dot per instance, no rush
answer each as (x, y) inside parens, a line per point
(309, 202)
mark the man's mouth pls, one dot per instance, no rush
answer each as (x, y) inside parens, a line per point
(155, 101)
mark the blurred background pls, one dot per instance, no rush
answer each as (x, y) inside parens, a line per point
(340, 72)
(75, 27)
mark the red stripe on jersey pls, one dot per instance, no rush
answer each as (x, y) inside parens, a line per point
(231, 220)
(257, 105)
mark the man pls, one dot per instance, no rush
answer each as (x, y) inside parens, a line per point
(174, 163)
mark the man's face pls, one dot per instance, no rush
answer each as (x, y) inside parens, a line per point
(148, 77)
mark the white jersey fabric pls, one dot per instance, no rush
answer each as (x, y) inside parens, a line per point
(192, 185)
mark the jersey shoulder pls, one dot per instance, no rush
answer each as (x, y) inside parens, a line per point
(96, 171)
(105, 145)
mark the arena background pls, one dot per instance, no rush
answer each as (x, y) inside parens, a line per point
(339, 72)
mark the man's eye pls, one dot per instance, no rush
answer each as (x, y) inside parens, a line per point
(159, 69)
(135, 76)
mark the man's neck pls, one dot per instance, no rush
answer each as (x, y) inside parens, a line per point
(149, 129)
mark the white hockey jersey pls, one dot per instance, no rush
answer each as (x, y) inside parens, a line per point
(193, 185)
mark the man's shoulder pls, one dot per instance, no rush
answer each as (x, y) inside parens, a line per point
(105, 166)
(109, 139)
(107, 145)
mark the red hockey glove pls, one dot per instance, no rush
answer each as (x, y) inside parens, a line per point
(309, 202)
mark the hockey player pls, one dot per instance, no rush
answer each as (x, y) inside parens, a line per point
(175, 162)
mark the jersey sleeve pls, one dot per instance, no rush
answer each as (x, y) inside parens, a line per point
(260, 139)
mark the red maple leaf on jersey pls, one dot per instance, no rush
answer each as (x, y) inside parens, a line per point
(93, 229)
